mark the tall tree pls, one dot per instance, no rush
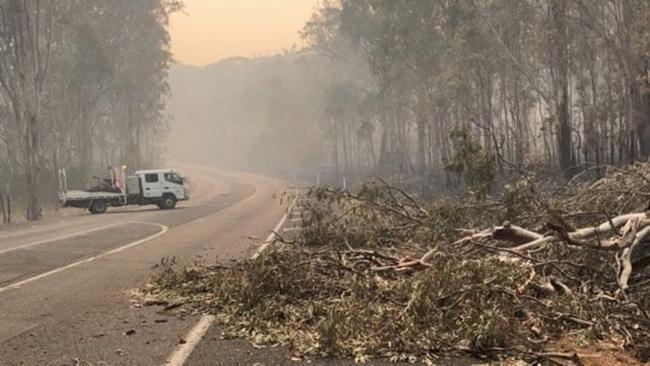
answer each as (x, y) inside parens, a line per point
(26, 29)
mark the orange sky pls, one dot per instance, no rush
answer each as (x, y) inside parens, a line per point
(210, 30)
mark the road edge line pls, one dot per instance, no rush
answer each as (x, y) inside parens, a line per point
(182, 353)
(62, 237)
(19, 284)
(195, 335)
(269, 240)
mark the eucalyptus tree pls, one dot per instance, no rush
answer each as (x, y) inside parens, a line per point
(26, 31)
(78, 90)
(139, 44)
(621, 29)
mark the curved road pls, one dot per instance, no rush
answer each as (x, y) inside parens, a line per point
(65, 285)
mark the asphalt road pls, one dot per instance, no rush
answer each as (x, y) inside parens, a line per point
(66, 285)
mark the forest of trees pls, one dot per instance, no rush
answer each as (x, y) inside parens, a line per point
(421, 92)
(559, 83)
(83, 85)
(434, 90)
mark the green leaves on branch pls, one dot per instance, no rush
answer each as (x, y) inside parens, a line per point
(472, 161)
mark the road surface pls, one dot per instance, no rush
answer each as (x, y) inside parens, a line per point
(65, 286)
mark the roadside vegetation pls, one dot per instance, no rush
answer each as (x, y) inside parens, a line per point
(83, 85)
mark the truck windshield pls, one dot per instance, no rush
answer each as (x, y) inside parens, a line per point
(173, 178)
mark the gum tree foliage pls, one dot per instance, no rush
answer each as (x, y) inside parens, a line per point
(472, 161)
(83, 86)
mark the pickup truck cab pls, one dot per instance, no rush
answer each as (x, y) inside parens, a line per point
(161, 187)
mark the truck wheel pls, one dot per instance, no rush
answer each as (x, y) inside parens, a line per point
(98, 207)
(168, 202)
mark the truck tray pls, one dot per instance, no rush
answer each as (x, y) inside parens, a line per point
(79, 195)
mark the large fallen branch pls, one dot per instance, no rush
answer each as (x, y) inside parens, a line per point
(635, 231)
(627, 258)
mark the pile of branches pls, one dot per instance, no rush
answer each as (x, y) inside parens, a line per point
(378, 274)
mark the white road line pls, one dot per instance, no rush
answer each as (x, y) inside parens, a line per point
(183, 351)
(63, 237)
(30, 229)
(196, 334)
(291, 229)
(162, 232)
(269, 240)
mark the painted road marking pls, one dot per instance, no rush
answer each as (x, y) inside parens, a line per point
(183, 351)
(34, 229)
(58, 238)
(291, 229)
(162, 232)
(269, 240)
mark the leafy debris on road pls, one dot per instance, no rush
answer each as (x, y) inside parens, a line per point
(378, 274)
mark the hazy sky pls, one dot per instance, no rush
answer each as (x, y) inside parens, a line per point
(211, 30)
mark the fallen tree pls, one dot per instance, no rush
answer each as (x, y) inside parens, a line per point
(376, 273)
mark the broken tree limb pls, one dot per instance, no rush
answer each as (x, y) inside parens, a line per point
(507, 232)
(626, 257)
(530, 240)
(534, 244)
(606, 227)
(634, 231)
(515, 234)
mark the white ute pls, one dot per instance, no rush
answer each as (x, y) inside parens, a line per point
(163, 187)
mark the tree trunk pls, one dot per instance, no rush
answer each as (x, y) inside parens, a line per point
(641, 111)
(561, 56)
(346, 150)
(421, 131)
(86, 143)
(2, 208)
(32, 173)
(335, 151)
